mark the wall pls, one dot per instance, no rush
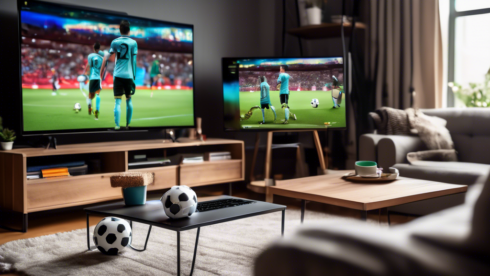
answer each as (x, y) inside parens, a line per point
(222, 29)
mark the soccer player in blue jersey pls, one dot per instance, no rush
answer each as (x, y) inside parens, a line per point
(336, 92)
(94, 63)
(283, 86)
(265, 102)
(126, 50)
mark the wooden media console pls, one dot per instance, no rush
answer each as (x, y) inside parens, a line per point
(21, 196)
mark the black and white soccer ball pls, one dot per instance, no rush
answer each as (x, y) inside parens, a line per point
(77, 107)
(82, 78)
(315, 103)
(112, 235)
(179, 202)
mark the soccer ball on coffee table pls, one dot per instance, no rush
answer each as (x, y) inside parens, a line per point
(112, 235)
(179, 202)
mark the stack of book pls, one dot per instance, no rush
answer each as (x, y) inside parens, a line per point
(34, 175)
(58, 172)
(192, 158)
(44, 171)
(140, 163)
(221, 155)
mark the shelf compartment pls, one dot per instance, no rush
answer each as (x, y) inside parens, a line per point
(165, 177)
(324, 30)
(46, 194)
(98, 163)
(211, 172)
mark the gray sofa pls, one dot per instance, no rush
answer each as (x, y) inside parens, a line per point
(470, 131)
(451, 242)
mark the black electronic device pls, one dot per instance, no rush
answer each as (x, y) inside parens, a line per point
(62, 53)
(288, 93)
(221, 204)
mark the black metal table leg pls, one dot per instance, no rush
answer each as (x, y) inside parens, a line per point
(195, 250)
(88, 232)
(178, 253)
(303, 207)
(282, 221)
(88, 235)
(146, 242)
(364, 215)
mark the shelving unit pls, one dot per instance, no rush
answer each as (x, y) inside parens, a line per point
(324, 30)
(22, 196)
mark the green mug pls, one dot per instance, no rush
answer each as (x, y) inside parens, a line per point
(366, 168)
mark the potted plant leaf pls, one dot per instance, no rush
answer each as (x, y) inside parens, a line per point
(7, 138)
(314, 11)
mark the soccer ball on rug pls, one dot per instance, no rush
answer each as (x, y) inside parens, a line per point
(112, 235)
(179, 202)
(77, 107)
(315, 103)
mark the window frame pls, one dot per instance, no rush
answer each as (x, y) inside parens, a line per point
(453, 15)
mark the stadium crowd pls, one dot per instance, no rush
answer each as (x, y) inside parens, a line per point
(302, 80)
(42, 58)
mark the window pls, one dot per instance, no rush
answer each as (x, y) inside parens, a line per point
(469, 53)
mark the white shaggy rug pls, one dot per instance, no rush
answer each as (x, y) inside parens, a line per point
(224, 249)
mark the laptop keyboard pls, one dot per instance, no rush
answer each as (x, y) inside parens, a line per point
(220, 204)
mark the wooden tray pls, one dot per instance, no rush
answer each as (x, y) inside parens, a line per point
(382, 179)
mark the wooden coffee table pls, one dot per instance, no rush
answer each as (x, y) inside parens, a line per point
(333, 190)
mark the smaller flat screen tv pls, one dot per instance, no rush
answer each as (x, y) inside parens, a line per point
(284, 93)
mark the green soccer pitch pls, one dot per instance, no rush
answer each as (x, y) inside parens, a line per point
(43, 112)
(299, 104)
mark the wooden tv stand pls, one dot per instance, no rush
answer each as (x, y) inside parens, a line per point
(21, 196)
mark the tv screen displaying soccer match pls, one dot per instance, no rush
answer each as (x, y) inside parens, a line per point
(283, 93)
(86, 69)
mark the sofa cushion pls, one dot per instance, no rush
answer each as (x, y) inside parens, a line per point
(472, 148)
(479, 240)
(432, 130)
(448, 172)
(432, 155)
(466, 227)
(468, 130)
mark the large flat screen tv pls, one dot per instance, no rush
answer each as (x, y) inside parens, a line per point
(283, 93)
(153, 64)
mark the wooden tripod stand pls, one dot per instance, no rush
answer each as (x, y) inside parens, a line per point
(261, 186)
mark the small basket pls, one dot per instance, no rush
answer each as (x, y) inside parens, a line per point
(133, 186)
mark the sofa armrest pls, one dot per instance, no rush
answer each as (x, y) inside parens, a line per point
(368, 144)
(393, 149)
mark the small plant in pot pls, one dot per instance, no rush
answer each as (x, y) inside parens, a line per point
(133, 186)
(7, 138)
